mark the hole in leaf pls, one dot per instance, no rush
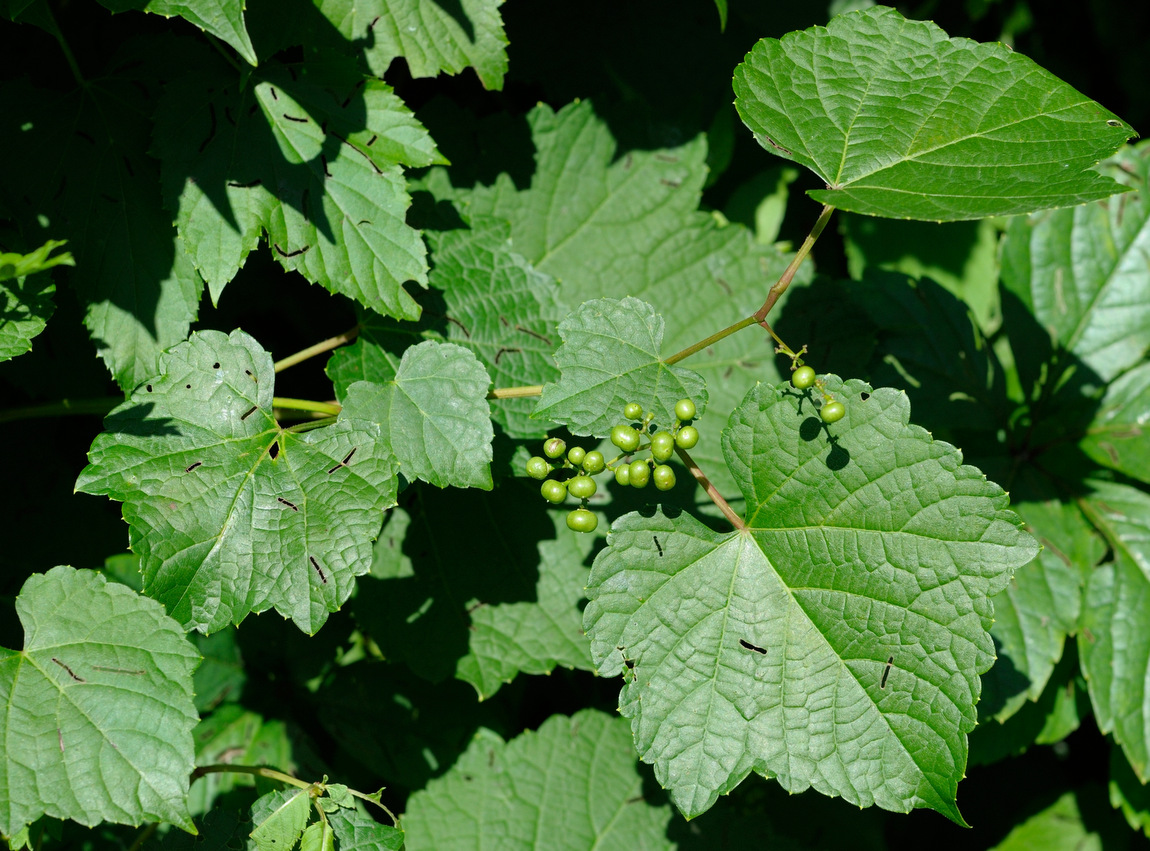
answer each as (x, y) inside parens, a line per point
(864, 395)
(290, 505)
(1113, 123)
(187, 387)
(191, 467)
(659, 548)
(249, 412)
(274, 451)
(149, 388)
(216, 365)
(746, 645)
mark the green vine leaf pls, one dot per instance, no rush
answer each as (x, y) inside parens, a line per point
(610, 356)
(1039, 607)
(1112, 643)
(1119, 437)
(312, 156)
(357, 831)
(849, 617)
(40, 260)
(280, 818)
(907, 111)
(229, 513)
(572, 783)
(222, 18)
(494, 303)
(432, 37)
(96, 711)
(434, 415)
(1083, 276)
(501, 308)
(26, 305)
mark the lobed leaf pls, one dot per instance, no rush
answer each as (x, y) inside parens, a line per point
(96, 711)
(572, 783)
(610, 356)
(26, 305)
(312, 156)
(836, 641)
(433, 414)
(501, 308)
(901, 121)
(230, 513)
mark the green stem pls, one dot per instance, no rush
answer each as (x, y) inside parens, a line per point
(714, 338)
(65, 407)
(310, 425)
(318, 349)
(516, 392)
(788, 275)
(328, 409)
(378, 803)
(780, 287)
(712, 492)
(255, 770)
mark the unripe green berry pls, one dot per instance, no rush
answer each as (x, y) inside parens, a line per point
(625, 437)
(662, 446)
(664, 477)
(594, 462)
(640, 474)
(803, 377)
(685, 410)
(687, 437)
(553, 491)
(633, 411)
(538, 468)
(581, 487)
(554, 447)
(832, 412)
(623, 474)
(576, 454)
(582, 520)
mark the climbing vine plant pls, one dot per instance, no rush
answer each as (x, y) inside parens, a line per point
(587, 415)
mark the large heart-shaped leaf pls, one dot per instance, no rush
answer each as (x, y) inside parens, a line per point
(837, 639)
(901, 121)
(96, 711)
(229, 512)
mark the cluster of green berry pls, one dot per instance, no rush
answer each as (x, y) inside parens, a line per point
(832, 410)
(568, 472)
